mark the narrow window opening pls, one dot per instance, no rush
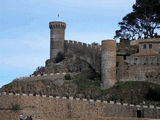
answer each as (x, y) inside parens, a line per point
(150, 46)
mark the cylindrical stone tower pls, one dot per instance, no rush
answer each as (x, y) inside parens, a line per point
(57, 37)
(108, 63)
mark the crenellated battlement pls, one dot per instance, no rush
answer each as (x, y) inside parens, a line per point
(48, 107)
(51, 76)
(57, 24)
(81, 44)
(87, 52)
(70, 98)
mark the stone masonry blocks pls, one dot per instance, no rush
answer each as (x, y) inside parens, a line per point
(108, 63)
(62, 108)
(57, 36)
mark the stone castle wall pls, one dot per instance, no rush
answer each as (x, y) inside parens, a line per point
(139, 68)
(11, 115)
(47, 108)
(93, 54)
(87, 52)
(151, 45)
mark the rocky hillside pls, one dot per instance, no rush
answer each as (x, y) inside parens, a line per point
(83, 81)
(70, 84)
(128, 92)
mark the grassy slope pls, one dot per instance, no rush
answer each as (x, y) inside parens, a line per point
(129, 92)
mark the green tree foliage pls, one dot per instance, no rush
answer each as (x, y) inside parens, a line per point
(94, 43)
(142, 22)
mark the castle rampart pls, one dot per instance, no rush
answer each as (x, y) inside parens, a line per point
(84, 45)
(50, 76)
(49, 107)
(140, 68)
(87, 52)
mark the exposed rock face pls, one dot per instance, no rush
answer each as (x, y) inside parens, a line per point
(43, 87)
(68, 65)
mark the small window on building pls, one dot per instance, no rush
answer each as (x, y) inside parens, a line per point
(144, 46)
(150, 45)
(135, 59)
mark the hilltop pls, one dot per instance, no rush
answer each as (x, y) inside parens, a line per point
(83, 81)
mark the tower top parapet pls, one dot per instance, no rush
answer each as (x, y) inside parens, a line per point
(57, 24)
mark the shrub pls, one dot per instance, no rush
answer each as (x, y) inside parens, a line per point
(153, 94)
(15, 107)
(59, 57)
(84, 84)
(67, 77)
(94, 43)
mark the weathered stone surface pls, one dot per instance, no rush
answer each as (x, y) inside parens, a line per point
(108, 63)
(57, 32)
(50, 108)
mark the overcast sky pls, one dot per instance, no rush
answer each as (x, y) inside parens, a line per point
(24, 31)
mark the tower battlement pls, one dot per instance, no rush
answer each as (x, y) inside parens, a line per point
(57, 24)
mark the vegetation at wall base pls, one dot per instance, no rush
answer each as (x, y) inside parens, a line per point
(14, 107)
(153, 94)
(87, 84)
(80, 86)
(136, 92)
(67, 77)
(59, 57)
